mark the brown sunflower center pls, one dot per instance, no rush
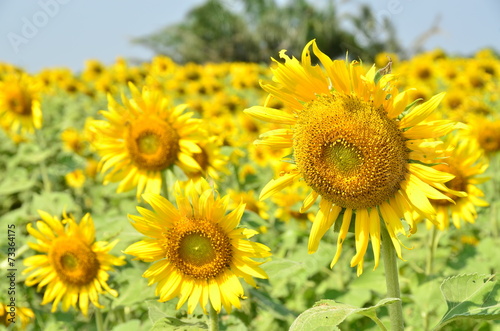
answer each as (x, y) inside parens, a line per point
(489, 138)
(20, 103)
(152, 144)
(198, 248)
(202, 159)
(74, 261)
(459, 183)
(349, 151)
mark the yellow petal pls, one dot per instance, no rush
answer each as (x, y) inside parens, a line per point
(375, 235)
(275, 185)
(346, 222)
(325, 218)
(271, 115)
(421, 112)
(361, 234)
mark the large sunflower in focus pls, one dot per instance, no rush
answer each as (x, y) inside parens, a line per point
(71, 264)
(20, 103)
(144, 137)
(359, 145)
(198, 250)
(467, 162)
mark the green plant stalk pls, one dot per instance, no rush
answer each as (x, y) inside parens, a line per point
(43, 168)
(493, 208)
(429, 267)
(379, 323)
(165, 184)
(213, 323)
(5, 263)
(99, 322)
(392, 281)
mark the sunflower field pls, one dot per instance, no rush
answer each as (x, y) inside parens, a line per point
(307, 194)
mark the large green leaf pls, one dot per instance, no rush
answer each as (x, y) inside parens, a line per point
(474, 296)
(328, 314)
(129, 325)
(17, 181)
(171, 323)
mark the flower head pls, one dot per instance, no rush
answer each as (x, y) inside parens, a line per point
(20, 103)
(466, 161)
(144, 137)
(358, 144)
(197, 249)
(72, 265)
(13, 314)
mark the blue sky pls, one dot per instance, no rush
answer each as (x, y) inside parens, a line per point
(52, 33)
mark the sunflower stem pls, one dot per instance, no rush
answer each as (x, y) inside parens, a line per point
(493, 209)
(5, 263)
(213, 324)
(43, 168)
(99, 322)
(392, 281)
(165, 184)
(429, 267)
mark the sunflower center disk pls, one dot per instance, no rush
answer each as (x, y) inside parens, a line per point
(74, 261)
(148, 144)
(202, 159)
(198, 248)
(343, 156)
(459, 183)
(349, 151)
(152, 144)
(20, 103)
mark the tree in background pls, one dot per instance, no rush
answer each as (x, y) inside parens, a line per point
(213, 32)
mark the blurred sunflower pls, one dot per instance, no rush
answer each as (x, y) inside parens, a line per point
(75, 179)
(212, 163)
(20, 103)
(466, 161)
(144, 137)
(358, 144)
(198, 250)
(73, 140)
(72, 265)
(248, 198)
(288, 203)
(22, 314)
(487, 134)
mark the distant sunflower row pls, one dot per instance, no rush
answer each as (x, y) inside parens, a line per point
(361, 144)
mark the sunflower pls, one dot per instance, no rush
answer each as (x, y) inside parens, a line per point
(487, 134)
(198, 250)
(13, 314)
(466, 161)
(73, 141)
(75, 179)
(72, 265)
(20, 103)
(358, 144)
(144, 137)
(212, 162)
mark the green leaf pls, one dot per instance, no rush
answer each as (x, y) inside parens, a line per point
(171, 323)
(474, 296)
(17, 181)
(129, 325)
(158, 310)
(328, 314)
(271, 305)
(53, 203)
(133, 287)
(154, 312)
